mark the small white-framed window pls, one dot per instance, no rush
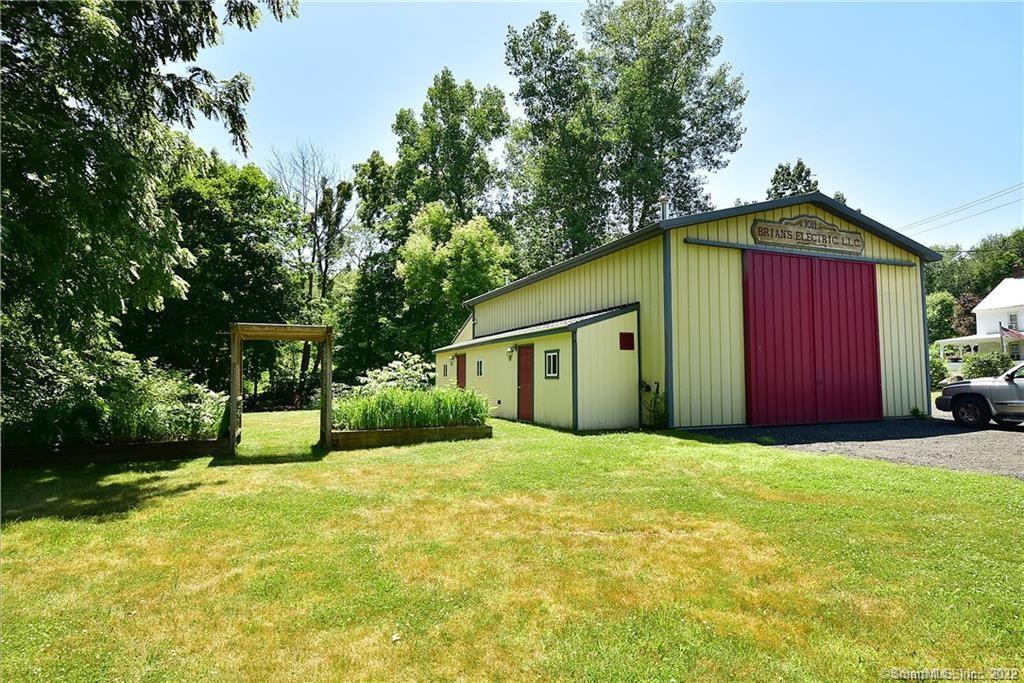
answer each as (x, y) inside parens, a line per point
(551, 364)
(479, 368)
(445, 369)
(1013, 322)
(1014, 350)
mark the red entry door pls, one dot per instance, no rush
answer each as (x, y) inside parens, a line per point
(812, 340)
(525, 382)
(460, 370)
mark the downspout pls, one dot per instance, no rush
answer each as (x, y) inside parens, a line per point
(575, 387)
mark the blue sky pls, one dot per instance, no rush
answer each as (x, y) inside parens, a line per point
(910, 109)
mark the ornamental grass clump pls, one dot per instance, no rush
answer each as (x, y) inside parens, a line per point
(398, 408)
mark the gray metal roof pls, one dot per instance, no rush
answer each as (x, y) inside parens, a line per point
(815, 198)
(541, 329)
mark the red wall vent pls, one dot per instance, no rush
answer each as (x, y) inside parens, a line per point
(626, 341)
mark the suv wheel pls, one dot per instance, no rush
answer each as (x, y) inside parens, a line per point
(971, 412)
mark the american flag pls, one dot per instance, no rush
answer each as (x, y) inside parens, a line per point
(1011, 333)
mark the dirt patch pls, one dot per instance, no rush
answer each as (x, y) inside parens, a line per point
(536, 562)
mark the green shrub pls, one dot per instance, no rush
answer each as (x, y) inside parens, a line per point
(987, 364)
(396, 408)
(939, 369)
(54, 396)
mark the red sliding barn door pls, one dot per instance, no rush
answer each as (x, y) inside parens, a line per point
(811, 339)
(780, 338)
(849, 365)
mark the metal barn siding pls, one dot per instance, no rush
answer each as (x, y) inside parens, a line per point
(707, 300)
(552, 399)
(709, 376)
(812, 340)
(466, 331)
(608, 384)
(631, 275)
(902, 341)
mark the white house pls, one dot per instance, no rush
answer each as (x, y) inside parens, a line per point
(1004, 306)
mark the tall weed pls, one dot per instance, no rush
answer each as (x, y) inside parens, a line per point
(397, 408)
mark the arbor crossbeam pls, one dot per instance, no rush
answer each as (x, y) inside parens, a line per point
(322, 334)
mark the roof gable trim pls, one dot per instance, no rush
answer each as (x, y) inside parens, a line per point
(816, 198)
(543, 329)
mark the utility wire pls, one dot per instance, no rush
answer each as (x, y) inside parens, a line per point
(957, 209)
(976, 251)
(963, 218)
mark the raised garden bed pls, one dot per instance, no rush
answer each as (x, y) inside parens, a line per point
(117, 452)
(348, 440)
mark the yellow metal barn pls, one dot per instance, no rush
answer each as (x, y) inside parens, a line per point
(797, 310)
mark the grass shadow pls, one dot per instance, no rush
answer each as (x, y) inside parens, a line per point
(314, 453)
(94, 492)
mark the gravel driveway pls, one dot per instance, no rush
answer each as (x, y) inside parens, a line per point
(938, 442)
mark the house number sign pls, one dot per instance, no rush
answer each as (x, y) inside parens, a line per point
(806, 232)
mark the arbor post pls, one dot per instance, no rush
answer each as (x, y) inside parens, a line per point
(234, 400)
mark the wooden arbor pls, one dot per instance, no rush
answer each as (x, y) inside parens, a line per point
(240, 332)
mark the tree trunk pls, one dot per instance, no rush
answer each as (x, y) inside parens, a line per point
(303, 370)
(316, 364)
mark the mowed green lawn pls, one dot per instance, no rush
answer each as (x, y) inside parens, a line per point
(538, 554)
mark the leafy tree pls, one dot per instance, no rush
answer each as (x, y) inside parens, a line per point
(442, 152)
(87, 228)
(993, 259)
(979, 269)
(839, 197)
(941, 310)
(443, 263)
(476, 262)
(949, 274)
(374, 182)
(370, 317)
(86, 148)
(964, 322)
(309, 177)
(237, 225)
(442, 157)
(556, 156)
(792, 179)
(671, 115)
(330, 222)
